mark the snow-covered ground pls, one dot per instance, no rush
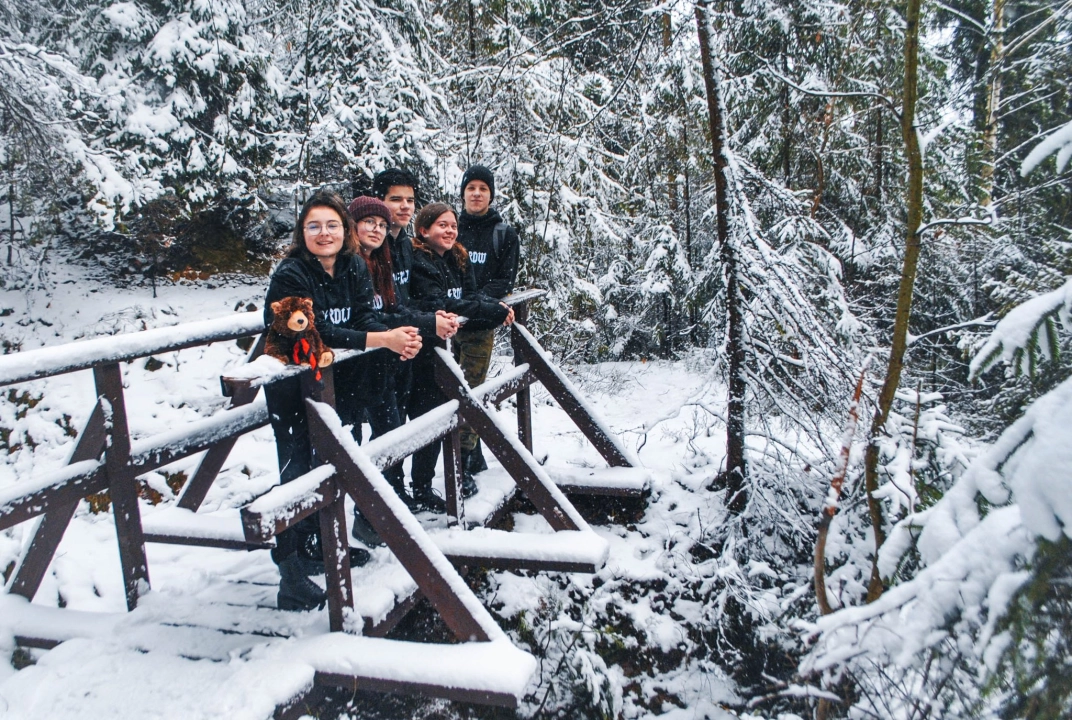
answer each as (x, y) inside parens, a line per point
(178, 655)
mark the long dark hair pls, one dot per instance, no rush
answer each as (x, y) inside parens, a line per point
(425, 219)
(329, 200)
(381, 268)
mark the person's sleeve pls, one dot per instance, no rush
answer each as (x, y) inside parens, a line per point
(426, 289)
(502, 280)
(403, 316)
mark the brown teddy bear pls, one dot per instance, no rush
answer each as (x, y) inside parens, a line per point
(292, 337)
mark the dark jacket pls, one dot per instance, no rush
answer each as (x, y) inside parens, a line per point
(343, 303)
(494, 273)
(438, 283)
(401, 263)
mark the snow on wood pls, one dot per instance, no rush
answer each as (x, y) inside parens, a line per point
(409, 523)
(284, 503)
(537, 470)
(403, 441)
(565, 546)
(519, 296)
(597, 419)
(27, 499)
(224, 526)
(43, 362)
(198, 435)
(496, 667)
(493, 386)
(599, 481)
(266, 370)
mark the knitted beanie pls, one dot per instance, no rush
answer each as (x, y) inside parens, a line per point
(478, 172)
(365, 206)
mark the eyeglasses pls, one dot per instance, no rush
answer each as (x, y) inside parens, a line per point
(315, 228)
(374, 224)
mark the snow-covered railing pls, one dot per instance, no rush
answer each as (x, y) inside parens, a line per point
(106, 459)
(86, 354)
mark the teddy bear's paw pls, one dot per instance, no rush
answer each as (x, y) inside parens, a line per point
(326, 358)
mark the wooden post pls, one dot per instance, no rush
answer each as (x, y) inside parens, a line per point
(452, 475)
(122, 487)
(336, 559)
(524, 396)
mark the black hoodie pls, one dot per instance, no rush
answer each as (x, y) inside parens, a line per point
(494, 273)
(438, 283)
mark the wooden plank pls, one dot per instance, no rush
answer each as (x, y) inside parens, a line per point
(72, 483)
(353, 684)
(452, 475)
(114, 349)
(401, 609)
(501, 563)
(526, 347)
(398, 444)
(285, 505)
(336, 546)
(176, 444)
(199, 484)
(122, 486)
(380, 514)
(496, 390)
(523, 469)
(219, 543)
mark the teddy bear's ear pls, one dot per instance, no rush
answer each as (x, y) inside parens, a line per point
(277, 307)
(307, 303)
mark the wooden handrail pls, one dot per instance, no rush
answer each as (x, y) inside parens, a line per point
(48, 361)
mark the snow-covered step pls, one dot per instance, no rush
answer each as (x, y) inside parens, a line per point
(564, 551)
(220, 529)
(491, 673)
(619, 481)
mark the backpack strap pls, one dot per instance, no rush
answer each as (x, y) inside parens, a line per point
(498, 236)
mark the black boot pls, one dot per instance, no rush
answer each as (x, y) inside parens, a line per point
(475, 461)
(364, 532)
(296, 590)
(428, 500)
(469, 487)
(311, 554)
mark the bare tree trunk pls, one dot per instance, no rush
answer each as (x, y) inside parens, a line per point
(734, 474)
(993, 100)
(914, 205)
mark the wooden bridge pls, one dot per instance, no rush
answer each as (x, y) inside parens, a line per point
(364, 604)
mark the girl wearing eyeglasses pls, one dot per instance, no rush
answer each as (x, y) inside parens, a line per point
(322, 263)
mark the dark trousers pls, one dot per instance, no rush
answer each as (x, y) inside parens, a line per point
(424, 396)
(286, 411)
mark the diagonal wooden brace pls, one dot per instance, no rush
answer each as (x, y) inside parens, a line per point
(386, 517)
(523, 468)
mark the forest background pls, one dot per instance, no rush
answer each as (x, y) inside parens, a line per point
(796, 187)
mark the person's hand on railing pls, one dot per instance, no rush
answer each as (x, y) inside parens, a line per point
(446, 324)
(406, 341)
(510, 315)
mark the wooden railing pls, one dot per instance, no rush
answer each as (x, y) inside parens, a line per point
(105, 457)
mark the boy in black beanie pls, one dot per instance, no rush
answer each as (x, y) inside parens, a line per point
(494, 250)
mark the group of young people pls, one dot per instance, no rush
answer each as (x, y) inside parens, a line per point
(374, 285)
